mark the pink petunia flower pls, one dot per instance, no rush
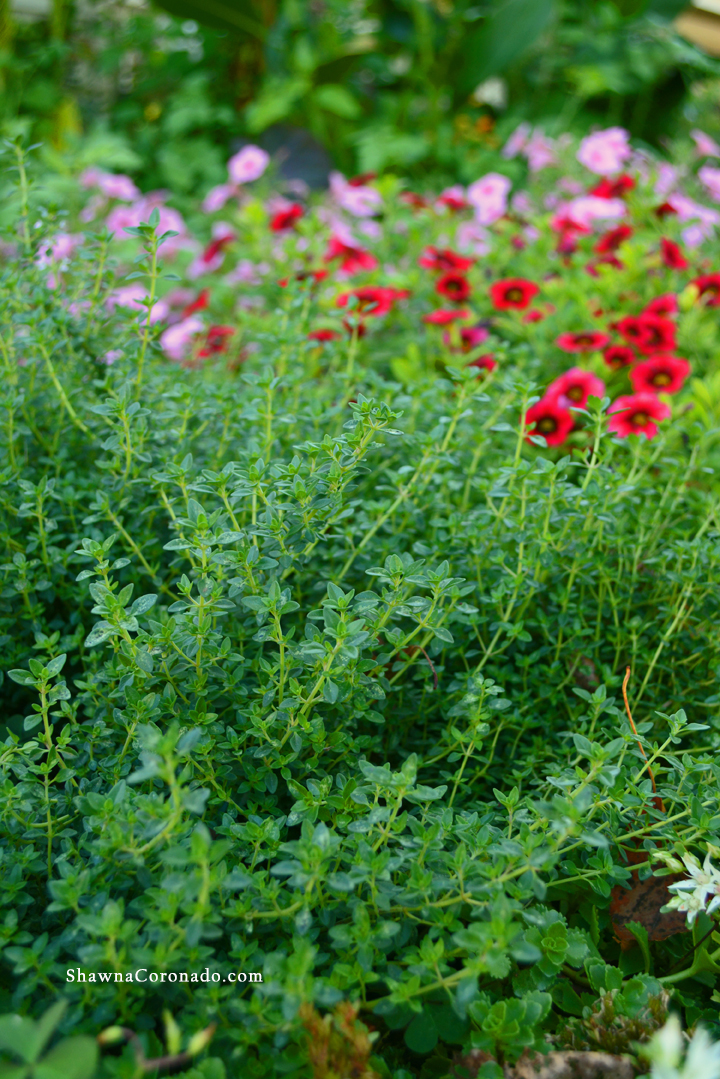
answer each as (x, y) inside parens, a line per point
(488, 196)
(248, 164)
(176, 341)
(604, 152)
(704, 144)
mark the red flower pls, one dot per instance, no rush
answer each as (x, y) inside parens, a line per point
(454, 287)
(372, 300)
(649, 333)
(444, 316)
(574, 388)
(534, 315)
(354, 259)
(453, 202)
(618, 356)
(662, 305)
(285, 219)
(444, 260)
(470, 337)
(664, 209)
(613, 189)
(303, 275)
(513, 293)
(551, 420)
(362, 179)
(672, 255)
(199, 304)
(637, 413)
(660, 374)
(605, 260)
(484, 363)
(217, 340)
(590, 341)
(611, 240)
(324, 335)
(709, 286)
(410, 198)
(215, 247)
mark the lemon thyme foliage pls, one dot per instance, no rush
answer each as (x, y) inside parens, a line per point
(319, 676)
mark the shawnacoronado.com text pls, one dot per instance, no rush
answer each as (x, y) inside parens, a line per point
(75, 974)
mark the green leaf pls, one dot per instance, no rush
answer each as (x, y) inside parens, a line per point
(275, 102)
(502, 38)
(17, 1036)
(422, 1035)
(56, 665)
(234, 16)
(338, 100)
(73, 1058)
(47, 1023)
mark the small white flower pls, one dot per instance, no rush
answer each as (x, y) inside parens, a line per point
(665, 1051)
(692, 895)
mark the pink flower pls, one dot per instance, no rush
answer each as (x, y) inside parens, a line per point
(112, 186)
(360, 200)
(589, 208)
(705, 146)
(667, 178)
(176, 341)
(710, 178)
(122, 217)
(248, 164)
(111, 356)
(539, 151)
(517, 141)
(218, 196)
(61, 247)
(488, 196)
(129, 296)
(247, 273)
(452, 198)
(603, 152)
(471, 236)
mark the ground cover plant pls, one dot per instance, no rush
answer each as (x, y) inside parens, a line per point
(359, 618)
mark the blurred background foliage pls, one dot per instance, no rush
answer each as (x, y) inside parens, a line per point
(421, 86)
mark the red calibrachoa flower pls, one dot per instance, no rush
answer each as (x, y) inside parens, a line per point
(285, 219)
(305, 275)
(452, 202)
(574, 388)
(454, 287)
(604, 260)
(637, 413)
(611, 240)
(672, 256)
(515, 293)
(660, 374)
(198, 304)
(445, 315)
(551, 420)
(618, 356)
(353, 259)
(708, 285)
(372, 300)
(649, 333)
(443, 260)
(484, 363)
(324, 335)
(663, 305)
(470, 337)
(613, 189)
(216, 341)
(665, 209)
(362, 179)
(590, 341)
(411, 198)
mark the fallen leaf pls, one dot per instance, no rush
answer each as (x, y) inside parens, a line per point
(642, 904)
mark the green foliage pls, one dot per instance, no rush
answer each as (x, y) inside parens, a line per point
(380, 83)
(24, 1040)
(227, 595)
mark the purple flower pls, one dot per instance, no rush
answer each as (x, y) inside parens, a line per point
(218, 196)
(517, 141)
